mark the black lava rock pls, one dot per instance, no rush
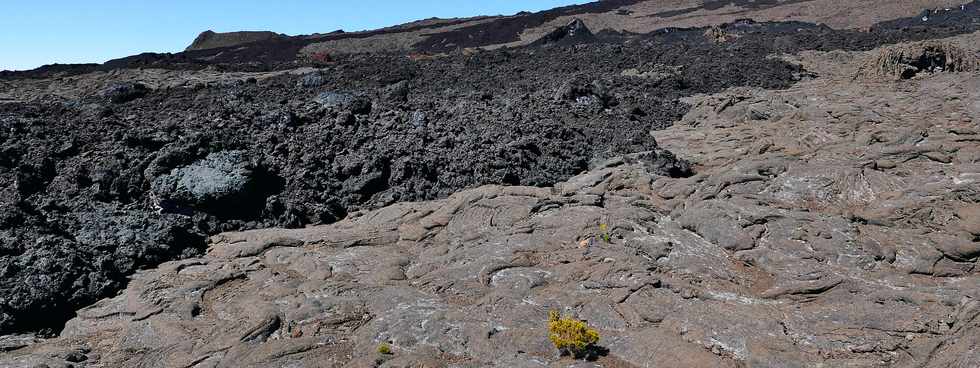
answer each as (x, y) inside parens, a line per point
(125, 92)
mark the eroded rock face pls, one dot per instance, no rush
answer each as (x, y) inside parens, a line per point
(829, 224)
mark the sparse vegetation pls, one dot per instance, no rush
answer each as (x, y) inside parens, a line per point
(571, 336)
(604, 233)
(384, 349)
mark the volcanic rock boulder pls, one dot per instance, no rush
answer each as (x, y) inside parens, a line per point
(311, 80)
(574, 32)
(397, 92)
(125, 92)
(223, 183)
(344, 102)
(581, 91)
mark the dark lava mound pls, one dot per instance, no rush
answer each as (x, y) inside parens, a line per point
(574, 32)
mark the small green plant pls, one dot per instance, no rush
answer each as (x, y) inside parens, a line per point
(571, 336)
(604, 233)
(384, 349)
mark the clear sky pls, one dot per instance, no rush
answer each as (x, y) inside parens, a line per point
(38, 32)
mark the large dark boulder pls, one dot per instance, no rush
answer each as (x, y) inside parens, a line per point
(223, 183)
(582, 91)
(125, 92)
(344, 102)
(574, 32)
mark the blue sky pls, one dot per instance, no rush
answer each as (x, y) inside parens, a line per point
(34, 33)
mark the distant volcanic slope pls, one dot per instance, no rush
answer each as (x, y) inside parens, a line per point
(265, 51)
(213, 40)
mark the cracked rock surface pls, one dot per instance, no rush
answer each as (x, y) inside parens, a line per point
(829, 224)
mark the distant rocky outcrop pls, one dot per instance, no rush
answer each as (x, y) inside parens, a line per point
(212, 40)
(574, 32)
(607, 21)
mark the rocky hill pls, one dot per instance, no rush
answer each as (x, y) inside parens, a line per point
(720, 183)
(266, 51)
(212, 40)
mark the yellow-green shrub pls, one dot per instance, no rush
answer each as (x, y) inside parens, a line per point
(571, 336)
(384, 348)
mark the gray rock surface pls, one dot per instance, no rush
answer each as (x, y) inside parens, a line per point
(221, 182)
(344, 102)
(311, 80)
